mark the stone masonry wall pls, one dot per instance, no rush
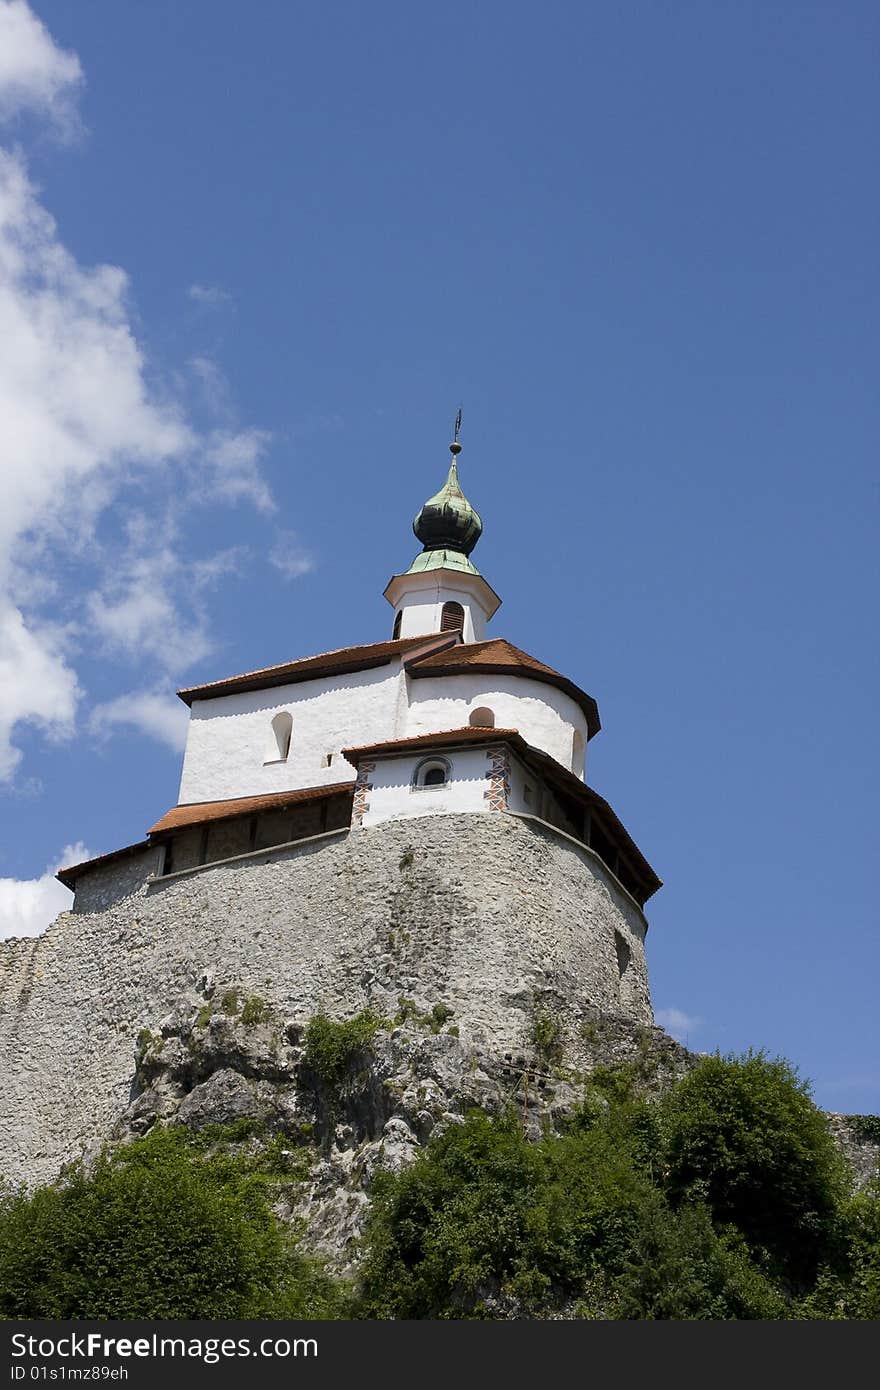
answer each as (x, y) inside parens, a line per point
(495, 917)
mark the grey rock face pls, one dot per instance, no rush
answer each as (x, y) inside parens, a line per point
(408, 1082)
(489, 917)
(224, 1098)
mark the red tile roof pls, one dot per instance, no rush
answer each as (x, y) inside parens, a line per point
(499, 657)
(446, 655)
(446, 738)
(309, 668)
(198, 812)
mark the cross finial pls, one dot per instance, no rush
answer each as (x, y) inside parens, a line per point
(455, 446)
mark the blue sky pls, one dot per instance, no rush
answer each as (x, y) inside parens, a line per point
(251, 261)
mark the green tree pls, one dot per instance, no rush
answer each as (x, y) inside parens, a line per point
(160, 1228)
(484, 1220)
(681, 1269)
(851, 1288)
(743, 1135)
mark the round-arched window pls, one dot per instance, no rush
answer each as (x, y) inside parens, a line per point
(452, 617)
(280, 733)
(397, 621)
(578, 749)
(431, 774)
(482, 718)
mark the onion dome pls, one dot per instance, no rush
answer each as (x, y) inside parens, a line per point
(447, 521)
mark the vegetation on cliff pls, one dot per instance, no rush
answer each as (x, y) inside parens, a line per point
(170, 1226)
(723, 1198)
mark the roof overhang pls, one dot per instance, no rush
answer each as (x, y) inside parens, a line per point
(454, 666)
(204, 812)
(69, 875)
(434, 579)
(446, 738)
(539, 762)
(310, 668)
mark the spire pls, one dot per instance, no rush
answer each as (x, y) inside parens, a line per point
(447, 522)
(443, 591)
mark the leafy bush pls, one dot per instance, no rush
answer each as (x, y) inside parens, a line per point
(743, 1135)
(161, 1228)
(680, 1268)
(331, 1046)
(851, 1289)
(725, 1200)
(865, 1127)
(484, 1220)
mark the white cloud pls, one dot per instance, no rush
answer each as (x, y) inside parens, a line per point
(36, 683)
(677, 1022)
(161, 716)
(34, 72)
(140, 613)
(29, 905)
(290, 557)
(83, 429)
(234, 473)
(213, 296)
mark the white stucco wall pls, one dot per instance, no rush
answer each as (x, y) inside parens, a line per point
(227, 738)
(422, 611)
(546, 717)
(393, 798)
(419, 599)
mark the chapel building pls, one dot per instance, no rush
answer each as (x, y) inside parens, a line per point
(438, 718)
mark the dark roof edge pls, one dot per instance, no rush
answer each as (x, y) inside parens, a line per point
(575, 786)
(237, 685)
(493, 668)
(468, 736)
(450, 738)
(339, 662)
(69, 875)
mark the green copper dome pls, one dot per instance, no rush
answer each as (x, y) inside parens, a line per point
(447, 521)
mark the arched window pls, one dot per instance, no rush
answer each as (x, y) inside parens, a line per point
(482, 718)
(278, 745)
(452, 617)
(577, 753)
(397, 621)
(431, 774)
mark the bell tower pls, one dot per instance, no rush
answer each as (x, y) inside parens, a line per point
(443, 591)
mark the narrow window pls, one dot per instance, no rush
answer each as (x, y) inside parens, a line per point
(527, 794)
(397, 621)
(279, 738)
(624, 954)
(327, 760)
(482, 718)
(452, 617)
(577, 753)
